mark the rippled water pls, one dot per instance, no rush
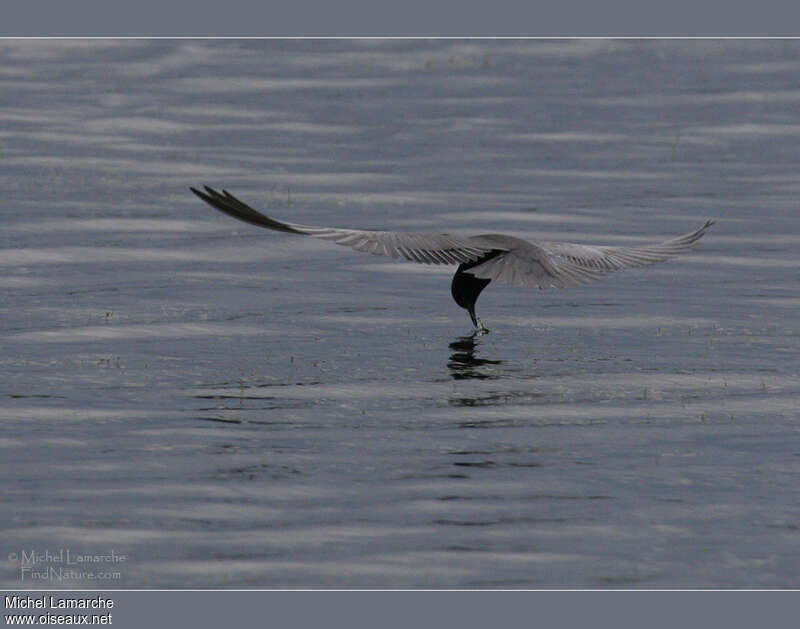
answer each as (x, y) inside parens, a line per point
(228, 407)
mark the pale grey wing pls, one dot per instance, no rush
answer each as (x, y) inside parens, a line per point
(423, 248)
(562, 264)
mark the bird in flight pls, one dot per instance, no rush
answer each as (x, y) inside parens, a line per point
(480, 259)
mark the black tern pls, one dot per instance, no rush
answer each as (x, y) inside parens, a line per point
(480, 259)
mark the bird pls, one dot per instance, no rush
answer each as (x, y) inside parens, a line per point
(480, 259)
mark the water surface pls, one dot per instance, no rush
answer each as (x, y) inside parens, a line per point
(232, 408)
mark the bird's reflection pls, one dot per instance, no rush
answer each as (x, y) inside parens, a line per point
(464, 364)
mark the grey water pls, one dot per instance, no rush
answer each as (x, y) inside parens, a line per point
(187, 401)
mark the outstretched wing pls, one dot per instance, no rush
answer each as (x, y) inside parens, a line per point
(424, 248)
(562, 264)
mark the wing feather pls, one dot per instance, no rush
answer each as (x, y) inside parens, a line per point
(563, 264)
(422, 248)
